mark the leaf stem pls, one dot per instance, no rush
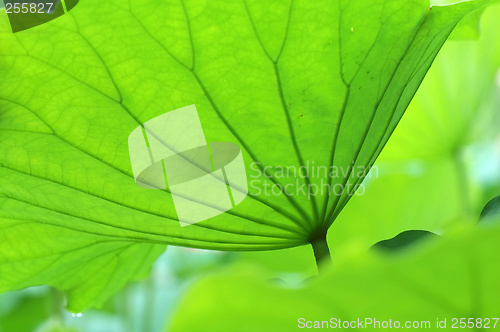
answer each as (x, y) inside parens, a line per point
(321, 252)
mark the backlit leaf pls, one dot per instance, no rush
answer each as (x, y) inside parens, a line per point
(293, 83)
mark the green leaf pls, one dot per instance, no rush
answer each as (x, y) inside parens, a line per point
(403, 240)
(315, 82)
(491, 210)
(455, 276)
(431, 202)
(87, 266)
(16, 307)
(419, 160)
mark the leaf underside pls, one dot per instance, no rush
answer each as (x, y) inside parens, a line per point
(292, 83)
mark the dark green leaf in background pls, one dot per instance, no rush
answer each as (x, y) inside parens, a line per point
(403, 240)
(491, 210)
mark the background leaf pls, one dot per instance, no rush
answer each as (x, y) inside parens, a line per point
(428, 176)
(403, 240)
(491, 210)
(448, 278)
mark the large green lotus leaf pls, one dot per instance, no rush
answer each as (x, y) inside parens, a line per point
(450, 277)
(292, 83)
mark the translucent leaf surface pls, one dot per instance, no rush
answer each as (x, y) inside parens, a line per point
(292, 83)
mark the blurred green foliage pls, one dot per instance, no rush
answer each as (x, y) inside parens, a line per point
(453, 277)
